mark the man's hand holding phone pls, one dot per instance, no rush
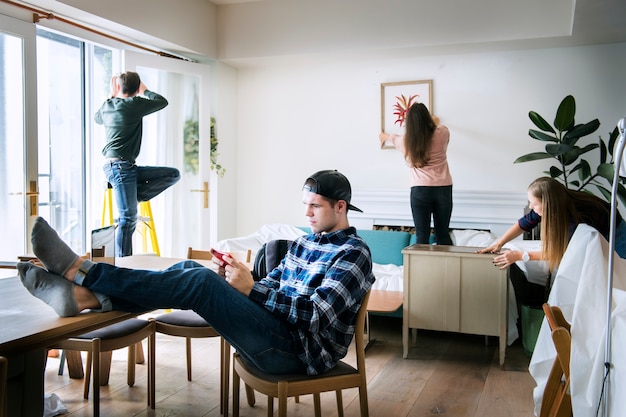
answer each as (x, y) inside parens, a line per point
(236, 273)
(220, 255)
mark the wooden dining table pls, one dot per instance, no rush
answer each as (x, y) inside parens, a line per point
(28, 326)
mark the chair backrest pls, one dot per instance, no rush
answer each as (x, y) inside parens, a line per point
(269, 257)
(556, 401)
(3, 385)
(555, 317)
(199, 254)
(359, 334)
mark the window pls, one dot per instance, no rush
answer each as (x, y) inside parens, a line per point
(72, 76)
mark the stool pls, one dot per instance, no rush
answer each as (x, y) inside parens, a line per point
(107, 206)
(144, 216)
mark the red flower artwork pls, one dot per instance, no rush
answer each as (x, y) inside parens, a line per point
(401, 107)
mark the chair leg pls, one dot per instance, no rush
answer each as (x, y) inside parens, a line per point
(87, 381)
(105, 367)
(235, 393)
(339, 403)
(224, 374)
(96, 376)
(317, 405)
(188, 353)
(74, 364)
(139, 357)
(152, 371)
(130, 372)
(250, 396)
(61, 362)
(365, 411)
(270, 406)
(282, 399)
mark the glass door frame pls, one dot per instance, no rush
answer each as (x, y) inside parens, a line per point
(207, 217)
(27, 32)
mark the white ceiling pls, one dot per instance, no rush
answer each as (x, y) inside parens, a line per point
(284, 28)
(251, 31)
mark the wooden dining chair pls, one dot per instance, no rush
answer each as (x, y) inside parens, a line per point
(100, 343)
(4, 366)
(189, 324)
(556, 400)
(341, 377)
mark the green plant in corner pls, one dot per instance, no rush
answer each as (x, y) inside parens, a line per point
(215, 166)
(562, 145)
(191, 137)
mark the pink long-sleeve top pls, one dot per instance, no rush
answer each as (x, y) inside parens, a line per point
(436, 171)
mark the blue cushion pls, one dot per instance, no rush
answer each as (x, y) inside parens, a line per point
(386, 246)
(114, 331)
(187, 318)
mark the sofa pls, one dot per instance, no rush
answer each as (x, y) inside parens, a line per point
(386, 247)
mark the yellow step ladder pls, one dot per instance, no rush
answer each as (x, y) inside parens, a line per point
(145, 220)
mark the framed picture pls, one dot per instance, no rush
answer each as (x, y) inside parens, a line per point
(395, 100)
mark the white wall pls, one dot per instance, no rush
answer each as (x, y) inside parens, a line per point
(296, 119)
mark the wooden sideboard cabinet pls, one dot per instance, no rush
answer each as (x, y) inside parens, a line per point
(454, 289)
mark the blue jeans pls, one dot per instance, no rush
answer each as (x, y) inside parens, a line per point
(132, 184)
(258, 335)
(435, 201)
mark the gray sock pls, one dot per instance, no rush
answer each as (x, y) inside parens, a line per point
(54, 290)
(56, 256)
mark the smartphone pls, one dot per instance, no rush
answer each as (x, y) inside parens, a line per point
(220, 255)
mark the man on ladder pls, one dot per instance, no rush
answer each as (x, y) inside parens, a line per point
(122, 115)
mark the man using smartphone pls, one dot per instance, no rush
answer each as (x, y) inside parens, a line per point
(299, 318)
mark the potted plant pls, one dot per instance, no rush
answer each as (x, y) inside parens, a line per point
(563, 143)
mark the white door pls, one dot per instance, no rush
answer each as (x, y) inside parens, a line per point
(178, 136)
(18, 137)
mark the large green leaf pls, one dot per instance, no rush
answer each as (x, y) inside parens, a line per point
(606, 171)
(612, 138)
(579, 131)
(555, 172)
(605, 193)
(564, 119)
(589, 147)
(557, 149)
(570, 157)
(535, 134)
(535, 156)
(603, 152)
(540, 122)
(584, 170)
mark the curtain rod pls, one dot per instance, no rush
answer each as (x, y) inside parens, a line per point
(42, 14)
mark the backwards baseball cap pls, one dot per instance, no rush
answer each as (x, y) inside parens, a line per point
(332, 184)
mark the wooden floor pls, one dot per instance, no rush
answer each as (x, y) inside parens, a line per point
(445, 374)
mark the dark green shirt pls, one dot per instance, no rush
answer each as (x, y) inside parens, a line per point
(122, 120)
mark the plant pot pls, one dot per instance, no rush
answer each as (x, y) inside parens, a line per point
(531, 318)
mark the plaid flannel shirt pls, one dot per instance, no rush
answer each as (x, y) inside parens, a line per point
(318, 288)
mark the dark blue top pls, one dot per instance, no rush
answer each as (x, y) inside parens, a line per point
(598, 219)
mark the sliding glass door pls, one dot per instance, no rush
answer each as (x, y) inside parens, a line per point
(18, 133)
